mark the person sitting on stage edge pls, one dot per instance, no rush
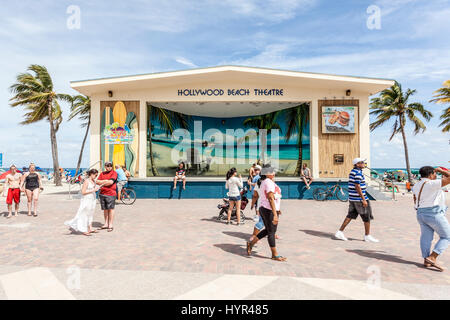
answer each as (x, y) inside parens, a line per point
(180, 174)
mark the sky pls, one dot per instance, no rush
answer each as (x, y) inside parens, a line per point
(410, 44)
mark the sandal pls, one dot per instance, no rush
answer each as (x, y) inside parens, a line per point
(110, 229)
(87, 234)
(433, 264)
(249, 248)
(279, 258)
(102, 228)
(94, 231)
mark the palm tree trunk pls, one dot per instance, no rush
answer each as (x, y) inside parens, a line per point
(408, 168)
(300, 154)
(152, 160)
(263, 148)
(82, 148)
(57, 177)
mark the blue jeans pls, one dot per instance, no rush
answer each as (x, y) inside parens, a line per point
(431, 220)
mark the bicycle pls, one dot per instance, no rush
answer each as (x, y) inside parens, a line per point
(127, 195)
(322, 194)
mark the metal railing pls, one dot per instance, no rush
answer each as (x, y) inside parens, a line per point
(73, 180)
(382, 183)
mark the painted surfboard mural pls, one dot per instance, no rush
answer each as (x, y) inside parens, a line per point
(105, 149)
(120, 116)
(135, 145)
(130, 152)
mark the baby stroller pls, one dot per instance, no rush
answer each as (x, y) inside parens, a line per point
(223, 207)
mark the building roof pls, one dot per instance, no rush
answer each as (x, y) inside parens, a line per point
(230, 72)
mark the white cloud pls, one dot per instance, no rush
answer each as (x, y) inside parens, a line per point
(186, 62)
(393, 64)
(271, 10)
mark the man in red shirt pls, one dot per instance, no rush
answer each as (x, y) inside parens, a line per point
(108, 179)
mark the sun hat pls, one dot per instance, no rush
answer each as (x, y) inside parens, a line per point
(356, 160)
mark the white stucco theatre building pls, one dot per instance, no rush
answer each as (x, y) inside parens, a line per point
(336, 129)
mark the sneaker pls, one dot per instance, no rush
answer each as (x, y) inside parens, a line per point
(340, 236)
(369, 238)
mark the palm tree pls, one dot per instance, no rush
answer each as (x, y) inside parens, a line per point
(34, 90)
(81, 107)
(442, 95)
(267, 122)
(393, 104)
(297, 119)
(168, 121)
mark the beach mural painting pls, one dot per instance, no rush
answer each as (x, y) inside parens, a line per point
(338, 119)
(119, 136)
(208, 152)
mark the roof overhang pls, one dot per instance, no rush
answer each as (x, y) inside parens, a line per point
(231, 73)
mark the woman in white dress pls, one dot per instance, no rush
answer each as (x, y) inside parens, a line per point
(82, 222)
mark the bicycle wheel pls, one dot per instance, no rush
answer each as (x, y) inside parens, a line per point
(320, 194)
(342, 194)
(128, 196)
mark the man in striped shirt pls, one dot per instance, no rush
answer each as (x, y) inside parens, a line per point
(358, 201)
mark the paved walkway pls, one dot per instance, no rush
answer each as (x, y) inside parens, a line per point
(176, 249)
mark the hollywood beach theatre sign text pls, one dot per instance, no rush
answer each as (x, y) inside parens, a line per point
(230, 92)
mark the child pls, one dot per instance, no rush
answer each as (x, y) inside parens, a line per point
(180, 174)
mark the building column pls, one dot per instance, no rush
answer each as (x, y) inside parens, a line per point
(142, 139)
(364, 131)
(94, 138)
(314, 137)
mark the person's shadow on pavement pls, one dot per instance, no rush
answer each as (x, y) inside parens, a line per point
(322, 234)
(380, 255)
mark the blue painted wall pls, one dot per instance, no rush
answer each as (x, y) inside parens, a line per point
(216, 189)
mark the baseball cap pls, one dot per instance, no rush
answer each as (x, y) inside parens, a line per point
(258, 167)
(108, 163)
(356, 160)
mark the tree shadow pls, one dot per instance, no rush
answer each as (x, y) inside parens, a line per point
(326, 235)
(238, 250)
(380, 255)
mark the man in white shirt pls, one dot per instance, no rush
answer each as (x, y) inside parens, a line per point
(429, 199)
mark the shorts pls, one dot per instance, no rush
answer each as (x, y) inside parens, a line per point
(237, 198)
(260, 224)
(13, 193)
(180, 177)
(120, 185)
(356, 208)
(107, 202)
